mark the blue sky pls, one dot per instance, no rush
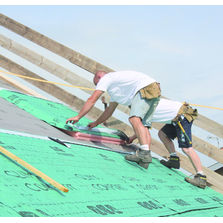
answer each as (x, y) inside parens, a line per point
(180, 46)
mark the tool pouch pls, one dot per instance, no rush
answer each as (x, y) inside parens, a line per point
(151, 91)
(188, 112)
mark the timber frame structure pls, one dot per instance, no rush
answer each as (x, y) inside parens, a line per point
(215, 180)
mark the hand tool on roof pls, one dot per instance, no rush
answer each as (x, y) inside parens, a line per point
(58, 141)
(121, 134)
(32, 169)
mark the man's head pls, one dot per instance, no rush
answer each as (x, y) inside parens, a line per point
(98, 75)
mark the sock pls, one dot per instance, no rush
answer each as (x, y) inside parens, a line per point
(144, 147)
(173, 154)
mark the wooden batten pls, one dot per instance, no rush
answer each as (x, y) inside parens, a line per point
(31, 168)
(201, 146)
(209, 125)
(59, 49)
(44, 63)
(86, 63)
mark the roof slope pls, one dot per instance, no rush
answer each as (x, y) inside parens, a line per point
(100, 182)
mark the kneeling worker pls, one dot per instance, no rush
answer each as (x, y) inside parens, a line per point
(178, 119)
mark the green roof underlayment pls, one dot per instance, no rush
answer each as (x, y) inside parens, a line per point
(53, 113)
(100, 183)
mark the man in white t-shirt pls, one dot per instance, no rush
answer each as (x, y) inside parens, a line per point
(129, 88)
(178, 118)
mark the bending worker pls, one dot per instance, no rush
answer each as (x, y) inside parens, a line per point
(129, 88)
(178, 119)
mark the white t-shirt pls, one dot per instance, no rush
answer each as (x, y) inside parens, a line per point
(123, 85)
(166, 111)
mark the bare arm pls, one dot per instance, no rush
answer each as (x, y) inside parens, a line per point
(87, 106)
(105, 115)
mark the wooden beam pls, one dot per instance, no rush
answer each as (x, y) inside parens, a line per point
(45, 63)
(32, 169)
(49, 66)
(216, 189)
(201, 146)
(209, 125)
(207, 149)
(59, 49)
(85, 62)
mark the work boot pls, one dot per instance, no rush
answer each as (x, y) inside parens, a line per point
(198, 180)
(173, 162)
(142, 157)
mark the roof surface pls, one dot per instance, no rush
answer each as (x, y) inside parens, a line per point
(100, 182)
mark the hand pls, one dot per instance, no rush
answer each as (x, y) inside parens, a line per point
(92, 125)
(131, 139)
(73, 120)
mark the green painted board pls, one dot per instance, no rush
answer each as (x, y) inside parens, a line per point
(101, 183)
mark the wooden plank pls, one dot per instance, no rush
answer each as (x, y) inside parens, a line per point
(216, 189)
(86, 63)
(50, 66)
(214, 178)
(49, 88)
(201, 146)
(33, 169)
(209, 125)
(45, 63)
(59, 49)
(207, 149)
